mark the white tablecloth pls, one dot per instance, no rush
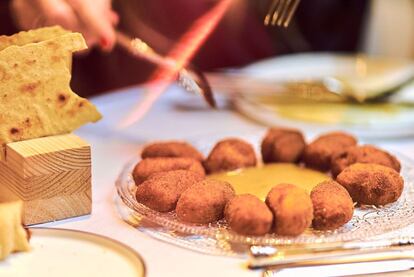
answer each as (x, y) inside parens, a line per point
(176, 115)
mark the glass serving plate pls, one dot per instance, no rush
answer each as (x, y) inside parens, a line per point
(367, 221)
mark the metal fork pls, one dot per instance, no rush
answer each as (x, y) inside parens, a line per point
(268, 256)
(281, 12)
(405, 259)
(190, 78)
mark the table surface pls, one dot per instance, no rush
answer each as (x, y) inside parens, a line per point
(177, 115)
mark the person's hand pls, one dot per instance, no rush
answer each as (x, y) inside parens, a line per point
(95, 19)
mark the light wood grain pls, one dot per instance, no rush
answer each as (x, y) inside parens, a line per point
(56, 208)
(48, 155)
(51, 175)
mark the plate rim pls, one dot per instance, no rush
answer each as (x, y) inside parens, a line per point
(102, 237)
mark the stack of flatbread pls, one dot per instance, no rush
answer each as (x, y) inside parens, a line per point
(35, 95)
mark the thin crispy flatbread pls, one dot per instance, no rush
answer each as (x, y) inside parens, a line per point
(13, 237)
(32, 36)
(35, 95)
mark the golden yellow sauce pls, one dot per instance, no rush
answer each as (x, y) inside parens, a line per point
(336, 112)
(259, 180)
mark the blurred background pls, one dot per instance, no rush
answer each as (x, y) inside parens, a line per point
(380, 27)
(340, 64)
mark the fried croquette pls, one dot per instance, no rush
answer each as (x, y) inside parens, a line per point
(248, 215)
(332, 206)
(362, 154)
(161, 190)
(149, 166)
(230, 154)
(292, 209)
(283, 145)
(318, 154)
(171, 149)
(371, 184)
(204, 202)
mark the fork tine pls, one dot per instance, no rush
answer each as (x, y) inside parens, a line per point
(283, 10)
(291, 13)
(276, 12)
(271, 12)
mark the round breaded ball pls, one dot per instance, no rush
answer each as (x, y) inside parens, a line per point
(161, 190)
(318, 154)
(149, 166)
(171, 149)
(332, 206)
(204, 202)
(292, 209)
(230, 154)
(363, 154)
(283, 145)
(371, 184)
(248, 215)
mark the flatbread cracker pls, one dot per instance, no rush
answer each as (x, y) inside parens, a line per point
(13, 237)
(32, 36)
(35, 95)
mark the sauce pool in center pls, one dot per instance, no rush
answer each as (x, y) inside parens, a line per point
(259, 180)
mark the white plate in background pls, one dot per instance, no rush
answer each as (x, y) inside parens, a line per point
(365, 120)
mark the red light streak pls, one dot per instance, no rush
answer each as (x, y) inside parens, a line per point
(181, 54)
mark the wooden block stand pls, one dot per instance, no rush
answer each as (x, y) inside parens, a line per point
(52, 175)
